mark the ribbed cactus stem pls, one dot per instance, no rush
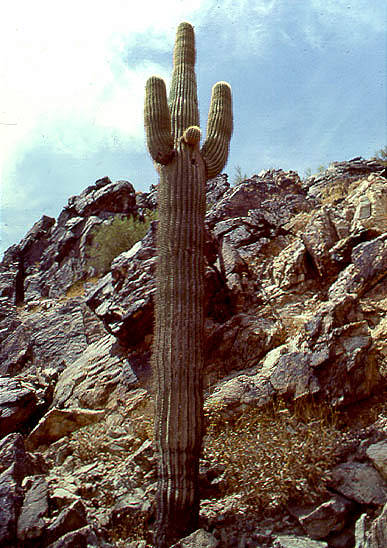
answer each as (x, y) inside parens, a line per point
(173, 137)
(191, 136)
(178, 345)
(219, 129)
(183, 101)
(158, 121)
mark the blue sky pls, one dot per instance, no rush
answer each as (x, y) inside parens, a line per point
(308, 80)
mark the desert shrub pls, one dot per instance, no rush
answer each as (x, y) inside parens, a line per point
(109, 240)
(239, 176)
(381, 156)
(272, 456)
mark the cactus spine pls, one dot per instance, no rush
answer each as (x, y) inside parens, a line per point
(173, 138)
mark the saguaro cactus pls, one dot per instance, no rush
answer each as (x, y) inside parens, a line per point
(173, 138)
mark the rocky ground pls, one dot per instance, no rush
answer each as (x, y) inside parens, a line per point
(295, 453)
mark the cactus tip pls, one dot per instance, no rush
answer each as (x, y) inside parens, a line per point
(191, 135)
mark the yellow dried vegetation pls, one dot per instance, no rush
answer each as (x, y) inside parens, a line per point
(274, 455)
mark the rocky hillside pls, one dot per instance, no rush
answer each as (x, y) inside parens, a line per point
(295, 453)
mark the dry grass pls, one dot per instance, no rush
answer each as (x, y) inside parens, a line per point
(273, 456)
(78, 288)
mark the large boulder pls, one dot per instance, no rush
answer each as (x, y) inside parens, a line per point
(360, 482)
(90, 380)
(50, 334)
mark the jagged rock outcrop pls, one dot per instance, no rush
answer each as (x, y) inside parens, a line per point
(371, 533)
(54, 254)
(342, 173)
(296, 284)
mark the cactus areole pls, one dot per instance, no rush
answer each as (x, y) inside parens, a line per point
(173, 139)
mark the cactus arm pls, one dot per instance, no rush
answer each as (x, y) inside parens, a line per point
(219, 130)
(158, 121)
(183, 101)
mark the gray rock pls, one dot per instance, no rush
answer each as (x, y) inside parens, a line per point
(53, 336)
(54, 255)
(70, 519)
(359, 482)
(277, 194)
(11, 497)
(334, 342)
(31, 523)
(130, 507)
(18, 402)
(19, 463)
(12, 452)
(85, 537)
(378, 455)
(198, 539)
(288, 541)
(104, 197)
(236, 394)
(242, 341)
(368, 266)
(62, 497)
(345, 172)
(282, 372)
(123, 299)
(319, 237)
(144, 456)
(90, 379)
(329, 517)
(371, 533)
(289, 267)
(290, 373)
(22, 258)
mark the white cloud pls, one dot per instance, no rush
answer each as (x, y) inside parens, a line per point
(332, 21)
(67, 65)
(67, 68)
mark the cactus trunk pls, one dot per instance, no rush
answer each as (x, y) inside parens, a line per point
(178, 345)
(173, 141)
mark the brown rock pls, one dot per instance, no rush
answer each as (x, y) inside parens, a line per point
(60, 422)
(31, 523)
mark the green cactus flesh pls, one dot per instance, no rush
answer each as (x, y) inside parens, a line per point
(173, 138)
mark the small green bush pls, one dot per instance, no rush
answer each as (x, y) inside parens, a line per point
(109, 240)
